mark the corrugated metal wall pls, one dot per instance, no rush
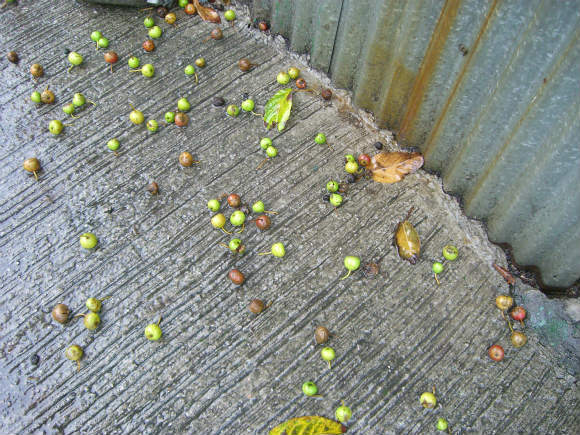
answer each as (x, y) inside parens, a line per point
(489, 90)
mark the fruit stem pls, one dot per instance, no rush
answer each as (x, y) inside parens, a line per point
(79, 315)
(111, 68)
(242, 230)
(510, 326)
(35, 175)
(105, 298)
(224, 245)
(71, 67)
(78, 366)
(196, 79)
(265, 253)
(257, 114)
(347, 275)
(437, 279)
(225, 231)
(270, 212)
(433, 389)
(329, 366)
(73, 116)
(262, 163)
(159, 321)
(92, 102)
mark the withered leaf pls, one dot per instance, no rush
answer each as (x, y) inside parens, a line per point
(310, 425)
(392, 167)
(207, 13)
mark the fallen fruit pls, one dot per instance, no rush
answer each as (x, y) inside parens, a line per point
(407, 240)
(60, 313)
(428, 400)
(136, 117)
(496, 352)
(351, 167)
(186, 159)
(75, 59)
(170, 18)
(263, 26)
(236, 276)
(12, 57)
(218, 221)
(35, 97)
(518, 313)
(233, 110)
(504, 302)
(301, 83)
(32, 164)
(352, 263)
(326, 94)
(148, 46)
(190, 9)
(88, 240)
(213, 204)
(332, 186)
(181, 119)
(518, 339)
(94, 304)
(74, 353)
(309, 388)
(153, 188)
(336, 199)
(36, 70)
(234, 200)
(263, 222)
(343, 413)
(155, 32)
(450, 252)
(364, 160)
(169, 117)
(265, 142)
(293, 72)
(320, 138)
(91, 320)
(153, 331)
(47, 96)
(328, 355)
(216, 34)
(55, 126)
(256, 306)
(230, 15)
(152, 125)
(277, 250)
(321, 335)
(200, 62)
(149, 22)
(103, 43)
(183, 105)
(442, 424)
(283, 78)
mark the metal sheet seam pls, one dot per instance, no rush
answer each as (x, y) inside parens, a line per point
(459, 80)
(336, 35)
(436, 44)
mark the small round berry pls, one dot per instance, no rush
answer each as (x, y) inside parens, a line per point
(182, 3)
(428, 400)
(504, 302)
(364, 160)
(183, 105)
(263, 222)
(258, 207)
(12, 57)
(34, 359)
(343, 413)
(186, 159)
(321, 335)
(149, 22)
(244, 64)
(233, 110)
(153, 188)
(328, 354)
(378, 145)
(170, 18)
(283, 78)
(79, 99)
(309, 388)
(88, 240)
(111, 57)
(47, 96)
(113, 144)
(442, 424)
(349, 158)
(237, 218)
(263, 26)
(332, 186)
(265, 142)
(301, 83)
(60, 313)
(169, 117)
(437, 267)
(450, 252)
(236, 277)
(278, 250)
(189, 70)
(496, 352)
(31, 164)
(326, 94)
(35, 97)
(155, 32)
(336, 199)
(152, 125)
(256, 306)
(181, 119)
(518, 313)
(74, 58)
(248, 105)
(218, 220)
(234, 200)
(518, 339)
(148, 46)
(293, 72)
(213, 205)
(55, 126)
(153, 332)
(190, 9)
(229, 15)
(351, 167)
(148, 70)
(271, 151)
(69, 108)
(103, 43)
(74, 352)
(36, 70)
(136, 117)
(96, 35)
(320, 138)
(200, 62)
(91, 321)
(216, 34)
(236, 246)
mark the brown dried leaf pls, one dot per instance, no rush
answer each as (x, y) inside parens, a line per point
(207, 13)
(392, 167)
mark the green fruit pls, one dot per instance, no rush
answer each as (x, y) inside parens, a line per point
(103, 43)
(74, 352)
(283, 78)
(230, 15)
(350, 158)
(69, 108)
(328, 354)
(155, 32)
(182, 3)
(332, 186)
(248, 105)
(149, 22)
(91, 321)
(278, 250)
(442, 424)
(343, 413)
(152, 125)
(428, 400)
(351, 262)
(450, 252)
(74, 58)
(237, 218)
(136, 117)
(437, 267)
(183, 105)
(258, 207)
(153, 332)
(218, 220)
(351, 167)
(213, 204)
(96, 35)
(320, 138)
(170, 117)
(309, 388)
(233, 110)
(271, 151)
(293, 72)
(88, 240)
(335, 199)
(35, 97)
(265, 142)
(189, 70)
(133, 62)
(79, 100)
(55, 126)
(113, 144)
(234, 245)
(148, 70)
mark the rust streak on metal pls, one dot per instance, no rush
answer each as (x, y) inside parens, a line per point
(459, 78)
(436, 44)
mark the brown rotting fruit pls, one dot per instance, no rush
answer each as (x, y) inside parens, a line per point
(149, 45)
(407, 240)
(47, 96)
(263, 222)
(326, 93)
(321, 335)
(234, 200)
(301, 83)
(190, 9)
(36, 70)
(32, 164)
(186, 159)
(153, 188)
(236, 276)
(60, 313)
(245, 64)
(256, 306)
(12, 57)
(181, 119)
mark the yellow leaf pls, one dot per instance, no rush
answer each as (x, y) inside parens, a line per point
(311, 425)
(207, 13)
(392, 167)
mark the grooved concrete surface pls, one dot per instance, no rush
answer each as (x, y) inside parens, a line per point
(219, 369)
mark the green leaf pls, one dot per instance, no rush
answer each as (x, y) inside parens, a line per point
(277, 110)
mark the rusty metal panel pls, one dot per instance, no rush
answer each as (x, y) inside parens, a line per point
(488, 90)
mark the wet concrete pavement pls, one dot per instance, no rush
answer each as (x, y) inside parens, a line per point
(218, 368)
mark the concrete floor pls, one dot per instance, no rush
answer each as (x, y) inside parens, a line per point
(218, 368)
